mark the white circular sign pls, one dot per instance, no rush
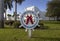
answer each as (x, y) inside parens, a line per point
(29, 19)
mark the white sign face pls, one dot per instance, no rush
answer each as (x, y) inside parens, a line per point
(29, 19)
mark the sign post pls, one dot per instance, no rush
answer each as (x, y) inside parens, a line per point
(29, 33)
(29, 20)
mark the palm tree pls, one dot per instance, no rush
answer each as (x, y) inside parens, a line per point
(1, 14)
(7, 4)
(20, 2)
(4, 4)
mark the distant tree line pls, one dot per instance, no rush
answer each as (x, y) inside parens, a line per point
(53, 9)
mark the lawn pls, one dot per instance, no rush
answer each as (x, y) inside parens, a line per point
(21, 35)
(50, 34)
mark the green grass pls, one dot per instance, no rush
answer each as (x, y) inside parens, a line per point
(53, 26)
(13, 34)
(21, 35)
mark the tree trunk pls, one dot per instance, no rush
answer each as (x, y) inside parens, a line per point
(57, 18)
(15, 11)
(1, 13)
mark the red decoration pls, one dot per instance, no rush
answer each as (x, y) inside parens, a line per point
(29, 19)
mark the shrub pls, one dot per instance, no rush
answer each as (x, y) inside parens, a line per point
(9, 22)
(41, 25)
(16, 24)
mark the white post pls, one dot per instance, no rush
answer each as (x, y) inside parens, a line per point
(29, 33)
(26, 30)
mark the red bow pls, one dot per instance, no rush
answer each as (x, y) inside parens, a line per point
(29, 18)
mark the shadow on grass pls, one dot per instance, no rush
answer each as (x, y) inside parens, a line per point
(47, 38)
(42, 27)
(46, 28)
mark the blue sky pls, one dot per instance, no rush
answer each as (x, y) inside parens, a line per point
(41, 4)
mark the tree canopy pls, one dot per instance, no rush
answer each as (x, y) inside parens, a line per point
(53, 8)
(8, 4)
(19, 1)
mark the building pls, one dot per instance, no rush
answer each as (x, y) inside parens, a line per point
(12, 17)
